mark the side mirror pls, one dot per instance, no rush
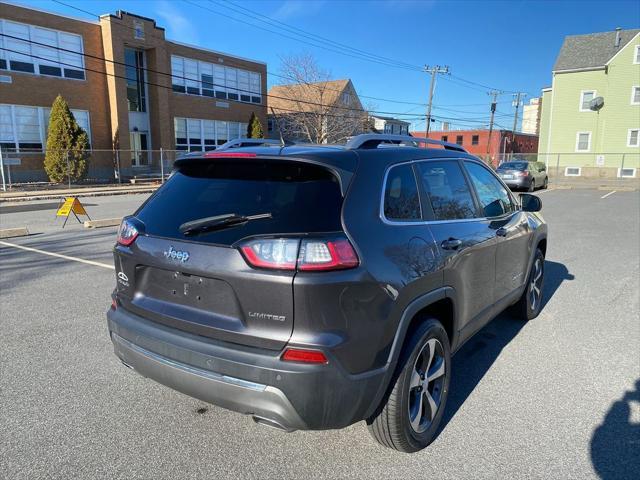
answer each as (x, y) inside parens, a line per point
(530, 203)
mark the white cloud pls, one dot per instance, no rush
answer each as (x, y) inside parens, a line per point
(179, 27)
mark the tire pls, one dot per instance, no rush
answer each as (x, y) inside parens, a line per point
(532, 186)
(545, 185)
(526, 308)
(427, 350)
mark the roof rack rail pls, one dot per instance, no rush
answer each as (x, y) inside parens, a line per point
(372, 140)
(251, 142)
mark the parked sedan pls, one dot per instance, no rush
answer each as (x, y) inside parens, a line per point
(521, 174)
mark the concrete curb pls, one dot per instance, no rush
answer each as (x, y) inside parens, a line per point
(105, 222)
(57, 195)
(14, 232)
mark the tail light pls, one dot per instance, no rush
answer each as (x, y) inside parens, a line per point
(522, 174)
(326, 255)
(277, 254)
(127, 233)
(303, 255)
(303, 356)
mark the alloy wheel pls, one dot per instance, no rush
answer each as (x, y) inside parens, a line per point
(535, 284)
(426, 385)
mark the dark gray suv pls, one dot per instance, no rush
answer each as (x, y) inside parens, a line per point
(312, 286)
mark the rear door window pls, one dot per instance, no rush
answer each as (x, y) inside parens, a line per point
(447, 190)
(493, 197)
(401, 198)
(302, 198)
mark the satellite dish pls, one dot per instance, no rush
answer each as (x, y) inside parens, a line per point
(596, 104)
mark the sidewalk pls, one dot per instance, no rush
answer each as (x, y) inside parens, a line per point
(54, 192)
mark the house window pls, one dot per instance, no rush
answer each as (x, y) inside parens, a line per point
(636, 56)
(196, 135)
(40, 51)
(475, 139)
(444, 138)
(459, 139)
(626, 173)
(633, 138)
(635, 95)
(572, 171)
(346, 98)
(25, 127)
(583, 141)
(212, 80)
(585, 99)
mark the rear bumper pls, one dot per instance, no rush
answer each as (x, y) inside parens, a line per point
(522, 182)
(228, 392)
(244, 379)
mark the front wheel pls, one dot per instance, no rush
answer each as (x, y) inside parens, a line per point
(532, 186)
(545, 185)
(409, 419)
(530, 303)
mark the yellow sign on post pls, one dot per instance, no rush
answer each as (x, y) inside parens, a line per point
(71, 205)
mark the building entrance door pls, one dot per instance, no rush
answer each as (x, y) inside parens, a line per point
(139, 149)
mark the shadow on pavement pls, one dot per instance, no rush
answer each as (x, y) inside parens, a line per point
(615, 445)
(475, 358)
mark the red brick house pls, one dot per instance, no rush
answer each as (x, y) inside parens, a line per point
(477, 141)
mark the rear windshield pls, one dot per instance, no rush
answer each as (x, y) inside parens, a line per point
(513, 166)
(301, 198)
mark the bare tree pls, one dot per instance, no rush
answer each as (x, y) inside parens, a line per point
(312, 107)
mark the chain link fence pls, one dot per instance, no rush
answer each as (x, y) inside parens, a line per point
(25, 169)
(22, 169)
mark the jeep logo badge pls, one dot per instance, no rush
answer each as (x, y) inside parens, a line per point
(174, 254)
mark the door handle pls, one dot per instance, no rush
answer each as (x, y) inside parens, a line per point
(451, 244)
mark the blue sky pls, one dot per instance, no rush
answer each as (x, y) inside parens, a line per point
(508, 45)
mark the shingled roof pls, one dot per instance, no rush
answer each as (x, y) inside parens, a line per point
(592, 50)
(287, 98)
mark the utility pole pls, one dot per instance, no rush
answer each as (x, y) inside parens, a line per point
(516, 103)
(494, 100)
(433, 71)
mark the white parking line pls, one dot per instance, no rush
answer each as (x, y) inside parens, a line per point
(51, 254)
(610, 193)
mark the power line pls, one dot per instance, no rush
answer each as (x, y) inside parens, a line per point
(404, 102)
(357, 53)
(96, 57)
(297, 31)
(340, 52)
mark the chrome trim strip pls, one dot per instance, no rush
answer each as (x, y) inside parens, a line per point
(188, 368)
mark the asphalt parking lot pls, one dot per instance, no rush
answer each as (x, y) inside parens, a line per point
(558, 397)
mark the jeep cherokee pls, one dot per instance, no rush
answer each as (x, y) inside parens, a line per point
(313, 286)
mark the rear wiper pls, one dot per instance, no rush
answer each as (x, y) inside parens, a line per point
(218, 222)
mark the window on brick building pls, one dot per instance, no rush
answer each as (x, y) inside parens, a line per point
(459, 139)
(475, 139)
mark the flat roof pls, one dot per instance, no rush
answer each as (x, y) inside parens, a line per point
(195, 47)
(49, 12)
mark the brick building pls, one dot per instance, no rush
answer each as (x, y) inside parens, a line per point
(126, 84)
(477, 142)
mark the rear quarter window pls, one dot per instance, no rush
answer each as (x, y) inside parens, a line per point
(401, 198)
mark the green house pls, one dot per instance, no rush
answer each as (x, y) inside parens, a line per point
(590, 120)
